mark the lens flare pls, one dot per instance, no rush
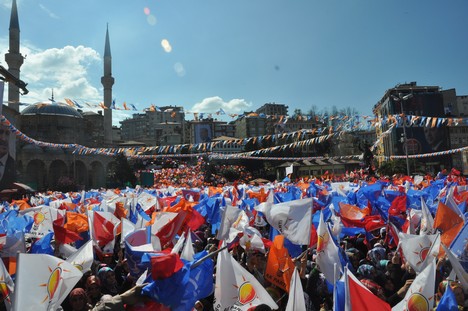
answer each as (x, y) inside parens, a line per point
(166, 45)
(54, 281)
(151, 19)
(417, 302)
(246, 293)
(179, 69)
(147, 11)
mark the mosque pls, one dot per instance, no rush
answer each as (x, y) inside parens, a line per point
(42, 166)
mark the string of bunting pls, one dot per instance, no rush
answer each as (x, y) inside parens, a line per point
(355, 121)
(136, 152)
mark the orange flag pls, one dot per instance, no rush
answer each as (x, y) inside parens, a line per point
(260, 196)
(77, 222)
(22, 204)
(120, 211)
(448, 222)
(279, 267)
(353, 212)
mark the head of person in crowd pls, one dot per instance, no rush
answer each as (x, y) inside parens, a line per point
(108, 282)
(93, 289)
(367, 271)
(78, 300)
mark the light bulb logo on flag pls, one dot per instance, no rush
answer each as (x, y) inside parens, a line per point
(422, 254)
(38, 218)
(4, 292)
(417, 302)
(246, 293)
(54, 283)
(322, 242)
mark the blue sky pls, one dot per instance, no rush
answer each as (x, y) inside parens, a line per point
(238, 55)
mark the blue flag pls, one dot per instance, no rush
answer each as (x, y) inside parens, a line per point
(181, 290)
(43, 245)
(448, 302)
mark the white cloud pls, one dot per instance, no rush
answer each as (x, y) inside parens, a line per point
(65, 70)
(48, 12)
(212, 104)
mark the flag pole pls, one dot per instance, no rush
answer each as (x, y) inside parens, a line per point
(201, 260)
(16, 293)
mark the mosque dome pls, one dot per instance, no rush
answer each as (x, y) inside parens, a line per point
(51, 108)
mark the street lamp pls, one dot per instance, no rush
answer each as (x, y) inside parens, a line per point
(401, 98)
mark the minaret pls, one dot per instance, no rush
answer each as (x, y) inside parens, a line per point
(107, 81)
(14, 58)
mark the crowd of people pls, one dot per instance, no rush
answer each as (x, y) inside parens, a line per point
(372, 257)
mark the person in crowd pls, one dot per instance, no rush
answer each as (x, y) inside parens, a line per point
(108, 282)
(78, 300)
(93, 289)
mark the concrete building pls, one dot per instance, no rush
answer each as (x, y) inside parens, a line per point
(457, 107)
(250, 125)
(273, 109)
(165, 126)
(414, 100)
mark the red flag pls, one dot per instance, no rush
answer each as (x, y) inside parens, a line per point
(361, 298)
(165, 265)
(63, 235)
(103, 230)
(195, 220)
(398, 205)
(313, 236)
(167, 233)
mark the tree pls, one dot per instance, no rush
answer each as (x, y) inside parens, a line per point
(389, 168)
(120, 172)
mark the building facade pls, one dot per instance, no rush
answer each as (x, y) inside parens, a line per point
(165, 126)
(410, 102)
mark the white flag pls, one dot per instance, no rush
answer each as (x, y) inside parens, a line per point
(180, 243)
(43, 218)
(427, 221)
(327, 253)
(187, 251)
(6, 285)
(419, 250)
(420, 295)
(83, 258)
(296, 299)
(233, 221)
(236, 288)
(43, 282)
(147, 201)
(252, 240)
(292, 219)
(462, 275)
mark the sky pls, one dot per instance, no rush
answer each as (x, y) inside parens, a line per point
(238, 55)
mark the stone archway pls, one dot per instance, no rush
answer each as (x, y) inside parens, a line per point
(97, 175)
(35, 174)
(57, 169)
(79, 172)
